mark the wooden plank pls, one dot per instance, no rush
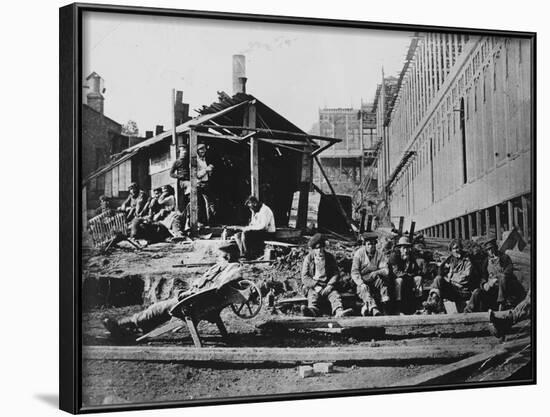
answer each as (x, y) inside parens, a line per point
(479, 232)
(487, 222)
(470, 226)
(447, 373)
(379, 321)
(271, 131)
(463, 228)
(286, 355)
(401, 222)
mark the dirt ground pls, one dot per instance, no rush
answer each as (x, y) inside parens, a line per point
(124, 281)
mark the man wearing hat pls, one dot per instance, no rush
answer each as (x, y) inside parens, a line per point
(500, 288)
(370, 272)
(456, 279)
(129, 207)
(320, 279)
(204, 174)
(226, 269)
(180, 171)
(407, 272)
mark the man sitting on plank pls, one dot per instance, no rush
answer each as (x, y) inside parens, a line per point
(321, 279)
(500, 288)
(261, 227)
(370, 272)
(226, 268)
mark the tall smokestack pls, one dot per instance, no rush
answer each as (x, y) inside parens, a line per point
(95, 98)
(239, 71)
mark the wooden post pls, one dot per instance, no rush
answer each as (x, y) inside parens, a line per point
(458, 235)
(470, 226)
(497, 222)
(463, 227)
(401, 221)
(173, 145)
(304, 187)
(250, 121)
(525, 218)
(411, 231)
(478, 223)
(193, 197)
(510, 215)
(487, 222)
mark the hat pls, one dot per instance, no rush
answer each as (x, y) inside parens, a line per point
(369, 236)
(491, 243)
(133, 185)
(316, 239)
(403, 241)
(201, 145)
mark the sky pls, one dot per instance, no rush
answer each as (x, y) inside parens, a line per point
(294, 69)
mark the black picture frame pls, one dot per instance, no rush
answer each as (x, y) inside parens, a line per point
(70, 287)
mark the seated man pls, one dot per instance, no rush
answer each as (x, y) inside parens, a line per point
(321, 279)
(142, 204)
(154, 205)
(261, 227)
(129, 205)
(167, 203)
(153, 316)
(455, 281)
(370, 272)
(500, 288)
(407, 272)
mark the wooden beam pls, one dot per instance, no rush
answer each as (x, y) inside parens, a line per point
(173, 145)
(457, 229)
(487, 222)
(230, 137)
(525, 218)
(401, 222)
(306, 178)
(448, 373)
(193, 197)
(250, 121)
(271, 131)
(379, 321)
(478, 224)
(470, 226)
(510, 213)
(497, 222)
(284, 355)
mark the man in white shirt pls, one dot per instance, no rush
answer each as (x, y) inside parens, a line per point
(261, 228)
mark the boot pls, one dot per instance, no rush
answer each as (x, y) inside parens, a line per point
(340, 312)
(119, 328)
(501, 325)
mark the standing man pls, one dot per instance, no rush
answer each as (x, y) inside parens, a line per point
(500, 288)
(321, 279)
(252, 238)
(204, 174)
(226, 269)
(180, 171)
(370, 273)
(456, 279)
(407, 271)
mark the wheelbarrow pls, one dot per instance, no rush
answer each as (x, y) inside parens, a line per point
(241, 295)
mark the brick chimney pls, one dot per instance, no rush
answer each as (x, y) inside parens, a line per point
(95, 98)
(181, 109)
(159, 129)
(148, 134)
(239, 73)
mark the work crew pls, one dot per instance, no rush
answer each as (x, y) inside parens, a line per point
(321, 280)
(370, 273)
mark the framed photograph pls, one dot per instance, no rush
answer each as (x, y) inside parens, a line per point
(261, 208)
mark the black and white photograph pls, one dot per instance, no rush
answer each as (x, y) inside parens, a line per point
(273, 208)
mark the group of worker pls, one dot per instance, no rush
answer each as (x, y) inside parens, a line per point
(392, 281)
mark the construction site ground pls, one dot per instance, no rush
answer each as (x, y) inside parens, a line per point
(124, 281)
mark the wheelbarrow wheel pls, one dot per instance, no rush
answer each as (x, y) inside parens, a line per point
(253, 300)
